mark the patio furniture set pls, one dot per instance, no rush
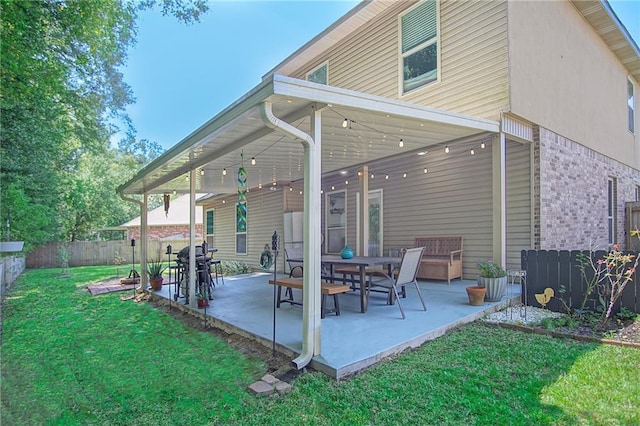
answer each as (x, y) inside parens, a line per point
(433, 257)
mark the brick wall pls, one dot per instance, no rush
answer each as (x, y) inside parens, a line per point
(571, 185)
(180, 232)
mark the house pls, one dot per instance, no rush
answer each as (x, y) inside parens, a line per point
(511, 123)
(167, 226)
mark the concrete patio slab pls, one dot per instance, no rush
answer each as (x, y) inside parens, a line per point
(349, 342)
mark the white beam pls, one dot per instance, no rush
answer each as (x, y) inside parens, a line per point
(499, 159)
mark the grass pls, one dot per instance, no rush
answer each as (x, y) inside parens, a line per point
(70, 358)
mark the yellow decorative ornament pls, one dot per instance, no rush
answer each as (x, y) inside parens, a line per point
(545, 297)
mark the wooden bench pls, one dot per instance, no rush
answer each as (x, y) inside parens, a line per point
(326, 289)
(442, 258)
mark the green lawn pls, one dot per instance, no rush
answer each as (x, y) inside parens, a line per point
(69, 358)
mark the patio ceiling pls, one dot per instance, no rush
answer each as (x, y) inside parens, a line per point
(374, 130)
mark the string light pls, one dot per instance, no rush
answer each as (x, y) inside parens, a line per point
(259, 186)
(333, 187)
(386, 177)
(345, 123)
(372, 176)
(425, 170)
(346, 182)
(201, 172)
(446, 149)
(290, 189)
(224, 201)
(472, 152)
(253, 161)
(401, 143)
(224, 172)
(404, 175)
(482, 145)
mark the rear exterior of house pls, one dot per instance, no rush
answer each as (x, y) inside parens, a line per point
(565, 100)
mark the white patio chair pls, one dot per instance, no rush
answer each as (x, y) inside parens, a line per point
(405, 275)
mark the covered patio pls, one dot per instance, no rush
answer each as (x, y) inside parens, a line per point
(296, 130)
(352, 341)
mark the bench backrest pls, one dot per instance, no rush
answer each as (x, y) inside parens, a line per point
(439, 246)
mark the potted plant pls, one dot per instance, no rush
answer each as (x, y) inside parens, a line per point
(494, 278)
(203, 300)
(155, 268)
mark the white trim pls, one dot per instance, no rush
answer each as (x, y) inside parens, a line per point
(314, 92)
(381, 217)
(327, 208)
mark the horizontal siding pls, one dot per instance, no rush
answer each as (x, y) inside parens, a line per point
(474, 62)
(518, 201)
(264, 215)
(453, 198)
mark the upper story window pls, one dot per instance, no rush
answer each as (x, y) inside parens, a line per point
(419, 46)
(631, 104)
(319, 75)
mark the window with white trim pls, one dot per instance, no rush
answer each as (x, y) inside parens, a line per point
(611, 209)
(241, 228)
(319, 75)
(631, 98)
(335, 221)
(419, 45)
(209, 227)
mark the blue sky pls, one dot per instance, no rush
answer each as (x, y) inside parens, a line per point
(183, 75)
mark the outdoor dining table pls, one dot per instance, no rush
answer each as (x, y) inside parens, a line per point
(362, 262)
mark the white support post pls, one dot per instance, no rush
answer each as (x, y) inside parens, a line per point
(192, 239)
(312, 261)
(144, 279)
(363, 244)
(499, 161)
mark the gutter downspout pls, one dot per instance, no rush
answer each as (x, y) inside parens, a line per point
(143, 236)
(311, 238)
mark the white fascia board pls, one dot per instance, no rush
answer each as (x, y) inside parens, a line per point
(314, 92)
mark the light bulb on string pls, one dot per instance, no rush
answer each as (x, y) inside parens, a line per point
(425, 170)
(253, 161)
(482, 145)
(401, 143)
(346, 182)
(446, 149)
(372, 176)
(201, 172)
(224, 172)
(345, 123)
(404, 175)
(472, 152)
(386, 177)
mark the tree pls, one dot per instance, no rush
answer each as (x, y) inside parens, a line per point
(61, 86)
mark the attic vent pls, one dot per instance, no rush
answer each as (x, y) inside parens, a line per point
(517, 128)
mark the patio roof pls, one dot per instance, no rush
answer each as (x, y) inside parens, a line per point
(375, 126)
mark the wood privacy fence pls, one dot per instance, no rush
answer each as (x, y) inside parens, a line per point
(91, 253)
(561, 269)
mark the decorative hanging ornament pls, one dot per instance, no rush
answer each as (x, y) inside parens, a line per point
(241, 214)
(166, 198)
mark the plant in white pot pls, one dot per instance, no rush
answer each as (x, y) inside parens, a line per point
(494, 278)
